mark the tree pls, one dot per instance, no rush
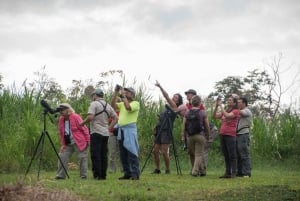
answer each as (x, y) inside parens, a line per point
(263, 91)
(276, 90)
(230, 85)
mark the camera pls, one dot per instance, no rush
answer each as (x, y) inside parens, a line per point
(118, 87)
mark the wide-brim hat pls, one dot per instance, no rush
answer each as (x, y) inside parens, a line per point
(64, 106)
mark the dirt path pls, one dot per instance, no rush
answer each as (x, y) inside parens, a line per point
(18, 192)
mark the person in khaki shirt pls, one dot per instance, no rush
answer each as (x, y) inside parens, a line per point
(99, 114)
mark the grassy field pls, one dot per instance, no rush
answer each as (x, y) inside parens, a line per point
(268, 183)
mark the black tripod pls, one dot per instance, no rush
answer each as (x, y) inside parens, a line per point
(42, 142)
(166, 123)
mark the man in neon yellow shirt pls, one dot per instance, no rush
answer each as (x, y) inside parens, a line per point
(127, 134)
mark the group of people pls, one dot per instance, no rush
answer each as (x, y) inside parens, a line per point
(116, 123)
(234, 135)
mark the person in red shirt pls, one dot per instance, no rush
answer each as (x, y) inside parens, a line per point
(229, 120)
(73, 138)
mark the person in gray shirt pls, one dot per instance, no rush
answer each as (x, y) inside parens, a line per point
(243, 139)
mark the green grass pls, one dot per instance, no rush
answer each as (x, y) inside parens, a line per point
(274, 184)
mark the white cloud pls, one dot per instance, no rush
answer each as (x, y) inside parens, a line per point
(183, 44)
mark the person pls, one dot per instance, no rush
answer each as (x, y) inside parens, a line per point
(99, 113)
(127, 132)
(229, 119)
(184, 108)
(73, 138)
(113, 146)
(212, 129)
(196, 137)
(243, 139)
(163, 130)
(189, 94)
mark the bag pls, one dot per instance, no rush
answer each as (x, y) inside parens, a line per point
(194, 122)
(116, 130)
(67, 139)
(213, 132)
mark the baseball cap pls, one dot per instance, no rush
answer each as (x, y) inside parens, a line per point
(130, 89)
(190, 91)
(98, 92)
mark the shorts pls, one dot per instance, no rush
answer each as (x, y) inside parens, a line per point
(164, 137)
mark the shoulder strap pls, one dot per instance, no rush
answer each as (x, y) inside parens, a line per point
(242, 128)
(104, 109)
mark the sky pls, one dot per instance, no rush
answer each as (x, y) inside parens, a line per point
(182, 44)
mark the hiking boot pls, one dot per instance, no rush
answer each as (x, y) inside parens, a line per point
(134, 178)
(156, 171)
(225, 176)
(58, 178)
(124, 177)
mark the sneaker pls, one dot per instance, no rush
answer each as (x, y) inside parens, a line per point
(83, 177)
(156, 171)
(168, 172)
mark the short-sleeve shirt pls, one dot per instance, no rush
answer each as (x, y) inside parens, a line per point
(228, 126)
(245, 121)
(100, 123)
(127, 117)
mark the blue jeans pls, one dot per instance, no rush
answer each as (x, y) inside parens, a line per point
(130, 162)
(243, 154)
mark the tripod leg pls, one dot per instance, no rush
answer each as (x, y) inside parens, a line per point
(52, 144)
(148, 157)
(176, 159)
(175, 153)
(41, 154)
(35, 151)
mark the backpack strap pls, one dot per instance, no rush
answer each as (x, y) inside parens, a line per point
(242, 128)
(104, 109)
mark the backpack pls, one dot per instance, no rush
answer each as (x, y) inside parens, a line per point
(194, 122)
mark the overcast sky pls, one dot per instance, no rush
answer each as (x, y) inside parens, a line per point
(183, 44)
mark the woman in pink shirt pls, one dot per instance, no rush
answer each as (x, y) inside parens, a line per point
(73, 138)
(229, 119)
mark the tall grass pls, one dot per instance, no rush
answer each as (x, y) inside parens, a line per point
(22, 123)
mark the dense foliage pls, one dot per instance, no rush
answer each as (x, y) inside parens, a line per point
(23, 122)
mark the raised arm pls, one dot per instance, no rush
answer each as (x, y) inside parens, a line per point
(166, 96)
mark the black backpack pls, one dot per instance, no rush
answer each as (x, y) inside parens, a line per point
(194, 122)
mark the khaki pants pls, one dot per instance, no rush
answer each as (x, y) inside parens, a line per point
(113, 147)
(82, 157)
(196, 145)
